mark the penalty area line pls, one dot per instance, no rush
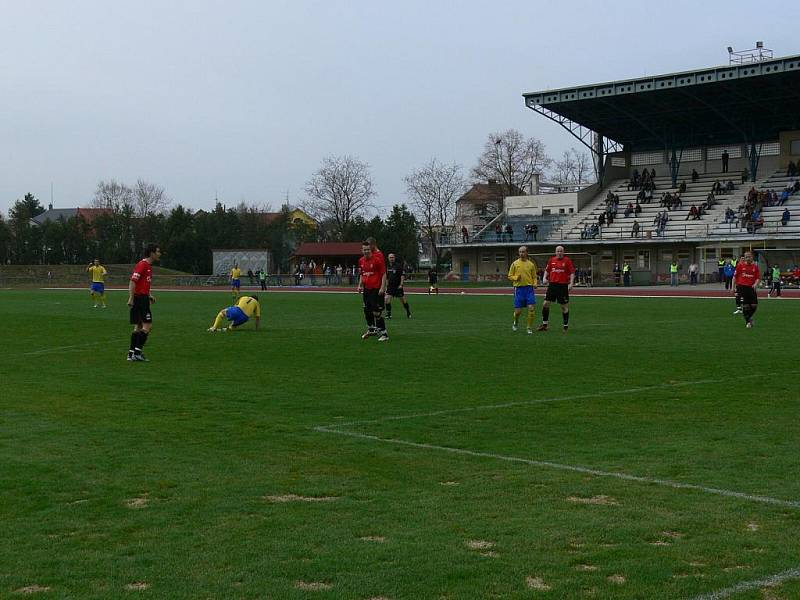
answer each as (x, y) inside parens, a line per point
(747, 586)
(677, 485)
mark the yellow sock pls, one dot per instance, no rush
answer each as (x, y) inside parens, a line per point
(531, 318)
(218, 321)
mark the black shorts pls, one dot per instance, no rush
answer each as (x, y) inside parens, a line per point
(373, 300)
(557, 292)
(747, 294)
(395, 292)
(140, 311)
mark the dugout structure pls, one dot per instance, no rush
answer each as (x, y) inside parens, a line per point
(749, 105)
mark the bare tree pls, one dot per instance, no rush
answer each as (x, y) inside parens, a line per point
(112, 194)
(584, 167)
(339, 191)
(149, 199)
(433, 191)
(511, 159)
(564, 169)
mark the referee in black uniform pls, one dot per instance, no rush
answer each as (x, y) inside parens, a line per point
(395, 278)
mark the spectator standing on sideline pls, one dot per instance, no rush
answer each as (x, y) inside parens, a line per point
(626, 274)
(721, 269)
(725, 157)
(139, 301)
(262, 279)
(727, 272)
(693, 273)
(673, 273)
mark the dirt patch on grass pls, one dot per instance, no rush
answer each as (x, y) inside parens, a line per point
(672, 534)
(490, 554)
(32, 589)
(585, 568)
(661, 543)
(479, 545)
(537, 583)
(695, 563)
(139, 502)
(81, 501)
(313, 586)
(597, 500)
(449, 483)
(617, 579)
(137, 586)
(737, 568)
(373, 538)
(753, 527)
(296, 498)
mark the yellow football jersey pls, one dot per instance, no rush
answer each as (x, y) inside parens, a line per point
(523, 272)
(249, 306)
(98, 273)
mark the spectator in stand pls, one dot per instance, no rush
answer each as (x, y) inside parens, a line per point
(498, 231)
(510, 232)
(339, 274)
(729, 186)
(693, 273)
(716, 187)
(745, 174)
(682, 188)
(791, 171)
(464, 235)
(629, 210)
(534, 231)
(695, 175)
(595, 231)
(635, 229)
(728, 270)
(785, 217)
(692, 213)
(601, 220)
(637, 209)
(730, 215)
(725, 157)
(677, 202)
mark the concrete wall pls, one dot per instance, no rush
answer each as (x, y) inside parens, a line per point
(246, 259)
(533, 205)
(786, 139)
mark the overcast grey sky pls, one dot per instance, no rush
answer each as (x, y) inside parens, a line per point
(244, 98)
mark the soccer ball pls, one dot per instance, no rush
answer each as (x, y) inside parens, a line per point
(462, 293)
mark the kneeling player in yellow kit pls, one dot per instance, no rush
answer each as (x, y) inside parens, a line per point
(238, 315)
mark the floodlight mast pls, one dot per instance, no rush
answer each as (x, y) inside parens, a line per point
(753, 55)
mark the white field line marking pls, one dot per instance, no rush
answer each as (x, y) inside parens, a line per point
(747, 586)
(634, 390)
(575, 469)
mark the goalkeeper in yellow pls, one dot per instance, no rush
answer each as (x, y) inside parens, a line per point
(98, 289)
(523, 273)
(246, 308)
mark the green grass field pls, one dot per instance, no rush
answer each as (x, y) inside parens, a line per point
(650, 453)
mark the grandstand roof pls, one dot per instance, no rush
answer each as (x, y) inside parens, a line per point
(712, 106)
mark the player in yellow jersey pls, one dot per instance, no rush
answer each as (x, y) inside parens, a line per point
(523, 274)
(236, 281)
(98, 289)
(239, 314)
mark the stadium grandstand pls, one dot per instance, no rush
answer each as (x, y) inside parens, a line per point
(694, 166)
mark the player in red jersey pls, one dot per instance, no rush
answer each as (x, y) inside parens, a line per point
(139, 299)
(559, 275)
(372, 285)
(747, 277)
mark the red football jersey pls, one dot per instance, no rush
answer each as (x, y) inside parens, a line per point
(746, 274)
(372, 270)
(559, 269)
(142, 277)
